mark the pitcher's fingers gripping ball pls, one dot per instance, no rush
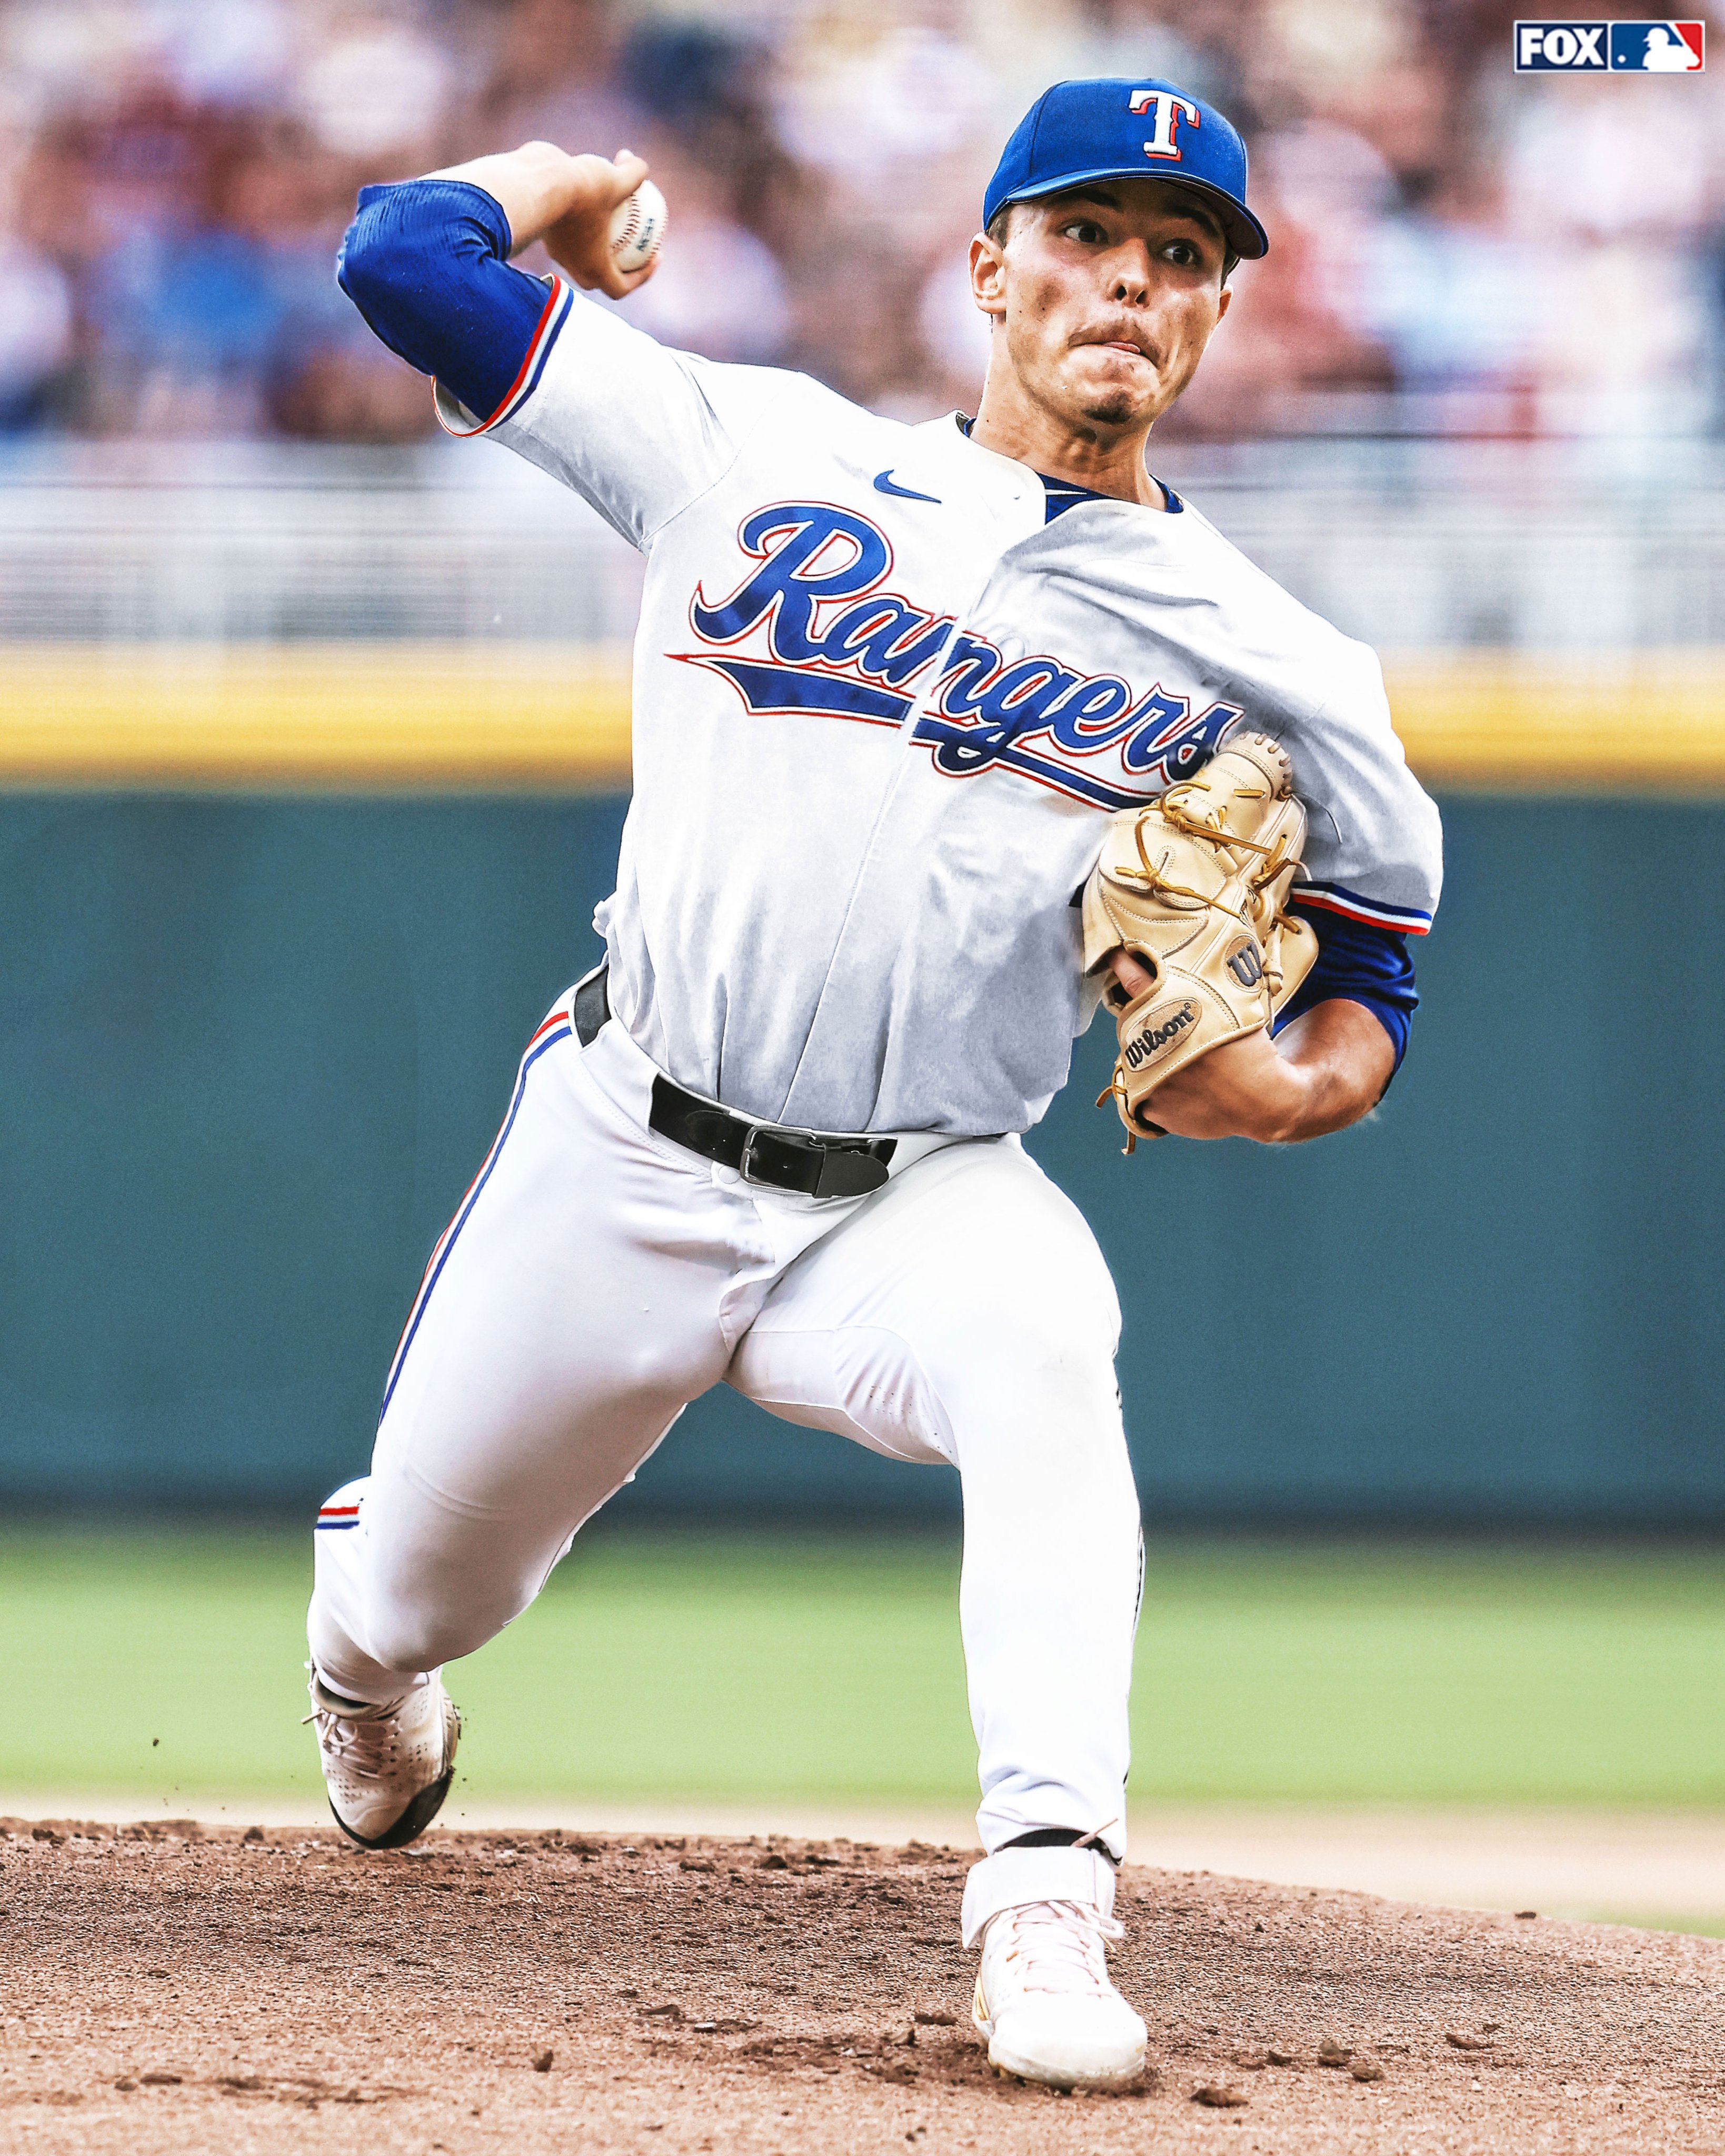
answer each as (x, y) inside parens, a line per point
(637, 227)
(1194, 887)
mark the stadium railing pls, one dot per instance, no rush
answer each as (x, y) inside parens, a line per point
(1551, 614)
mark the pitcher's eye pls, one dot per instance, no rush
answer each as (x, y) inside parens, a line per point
(1084, 230)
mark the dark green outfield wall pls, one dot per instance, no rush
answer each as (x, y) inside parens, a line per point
(251, 1053)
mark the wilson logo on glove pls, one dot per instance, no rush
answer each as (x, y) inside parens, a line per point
(1243, 962)
(1157, 1032)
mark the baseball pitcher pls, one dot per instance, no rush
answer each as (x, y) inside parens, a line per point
(945, 737)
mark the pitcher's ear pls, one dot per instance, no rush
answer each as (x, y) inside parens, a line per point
(988, 275)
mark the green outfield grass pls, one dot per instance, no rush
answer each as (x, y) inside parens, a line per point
(162, 1667)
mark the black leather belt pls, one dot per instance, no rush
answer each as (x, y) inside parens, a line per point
(809, 1161)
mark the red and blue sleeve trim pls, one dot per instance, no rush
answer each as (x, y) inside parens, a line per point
(333, 1518)
(1337, 898)
(427, 264)
(558, 303)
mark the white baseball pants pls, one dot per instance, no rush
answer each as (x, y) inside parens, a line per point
(598, 1277)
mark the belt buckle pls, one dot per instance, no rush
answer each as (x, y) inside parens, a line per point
(747, 1156)
(841, 1168)
(744, 1163)
(792, 1143)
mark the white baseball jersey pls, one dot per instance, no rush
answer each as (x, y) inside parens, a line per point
(883, 706)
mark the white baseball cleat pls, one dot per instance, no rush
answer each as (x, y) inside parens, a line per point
(387, 1768)
(1043, 2002)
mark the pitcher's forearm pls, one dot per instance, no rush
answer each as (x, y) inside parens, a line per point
(1345, 1057)
(535, 186)
(1326, 1071)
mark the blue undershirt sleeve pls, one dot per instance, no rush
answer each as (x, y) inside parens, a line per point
(427, 264)
(1357, 961)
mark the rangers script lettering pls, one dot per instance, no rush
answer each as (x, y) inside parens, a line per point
(822, 637)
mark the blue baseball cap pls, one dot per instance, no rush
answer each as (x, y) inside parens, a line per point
(1112, 127)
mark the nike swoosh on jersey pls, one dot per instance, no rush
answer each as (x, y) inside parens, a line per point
(883, 485)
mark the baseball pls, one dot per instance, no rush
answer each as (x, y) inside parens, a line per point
(637, 227)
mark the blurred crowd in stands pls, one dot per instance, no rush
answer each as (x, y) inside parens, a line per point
(1454, 248)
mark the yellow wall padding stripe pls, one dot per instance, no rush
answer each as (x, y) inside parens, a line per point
(386, 717)
(357, 717)
(1614, 722)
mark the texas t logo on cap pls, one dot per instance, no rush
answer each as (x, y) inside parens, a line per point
(1169, 111)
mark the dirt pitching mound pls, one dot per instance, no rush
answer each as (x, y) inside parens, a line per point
(169, 1989)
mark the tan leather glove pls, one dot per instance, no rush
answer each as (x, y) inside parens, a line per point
(1194, 887)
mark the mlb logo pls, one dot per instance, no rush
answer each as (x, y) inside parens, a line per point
(1658, 47)
(1599, 47)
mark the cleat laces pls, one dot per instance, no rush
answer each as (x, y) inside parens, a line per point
(1060, 1947)
(360, 1744)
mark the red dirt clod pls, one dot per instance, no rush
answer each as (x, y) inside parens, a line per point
(1219, 2097)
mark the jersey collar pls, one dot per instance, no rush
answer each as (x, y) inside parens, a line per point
(1061, 495)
